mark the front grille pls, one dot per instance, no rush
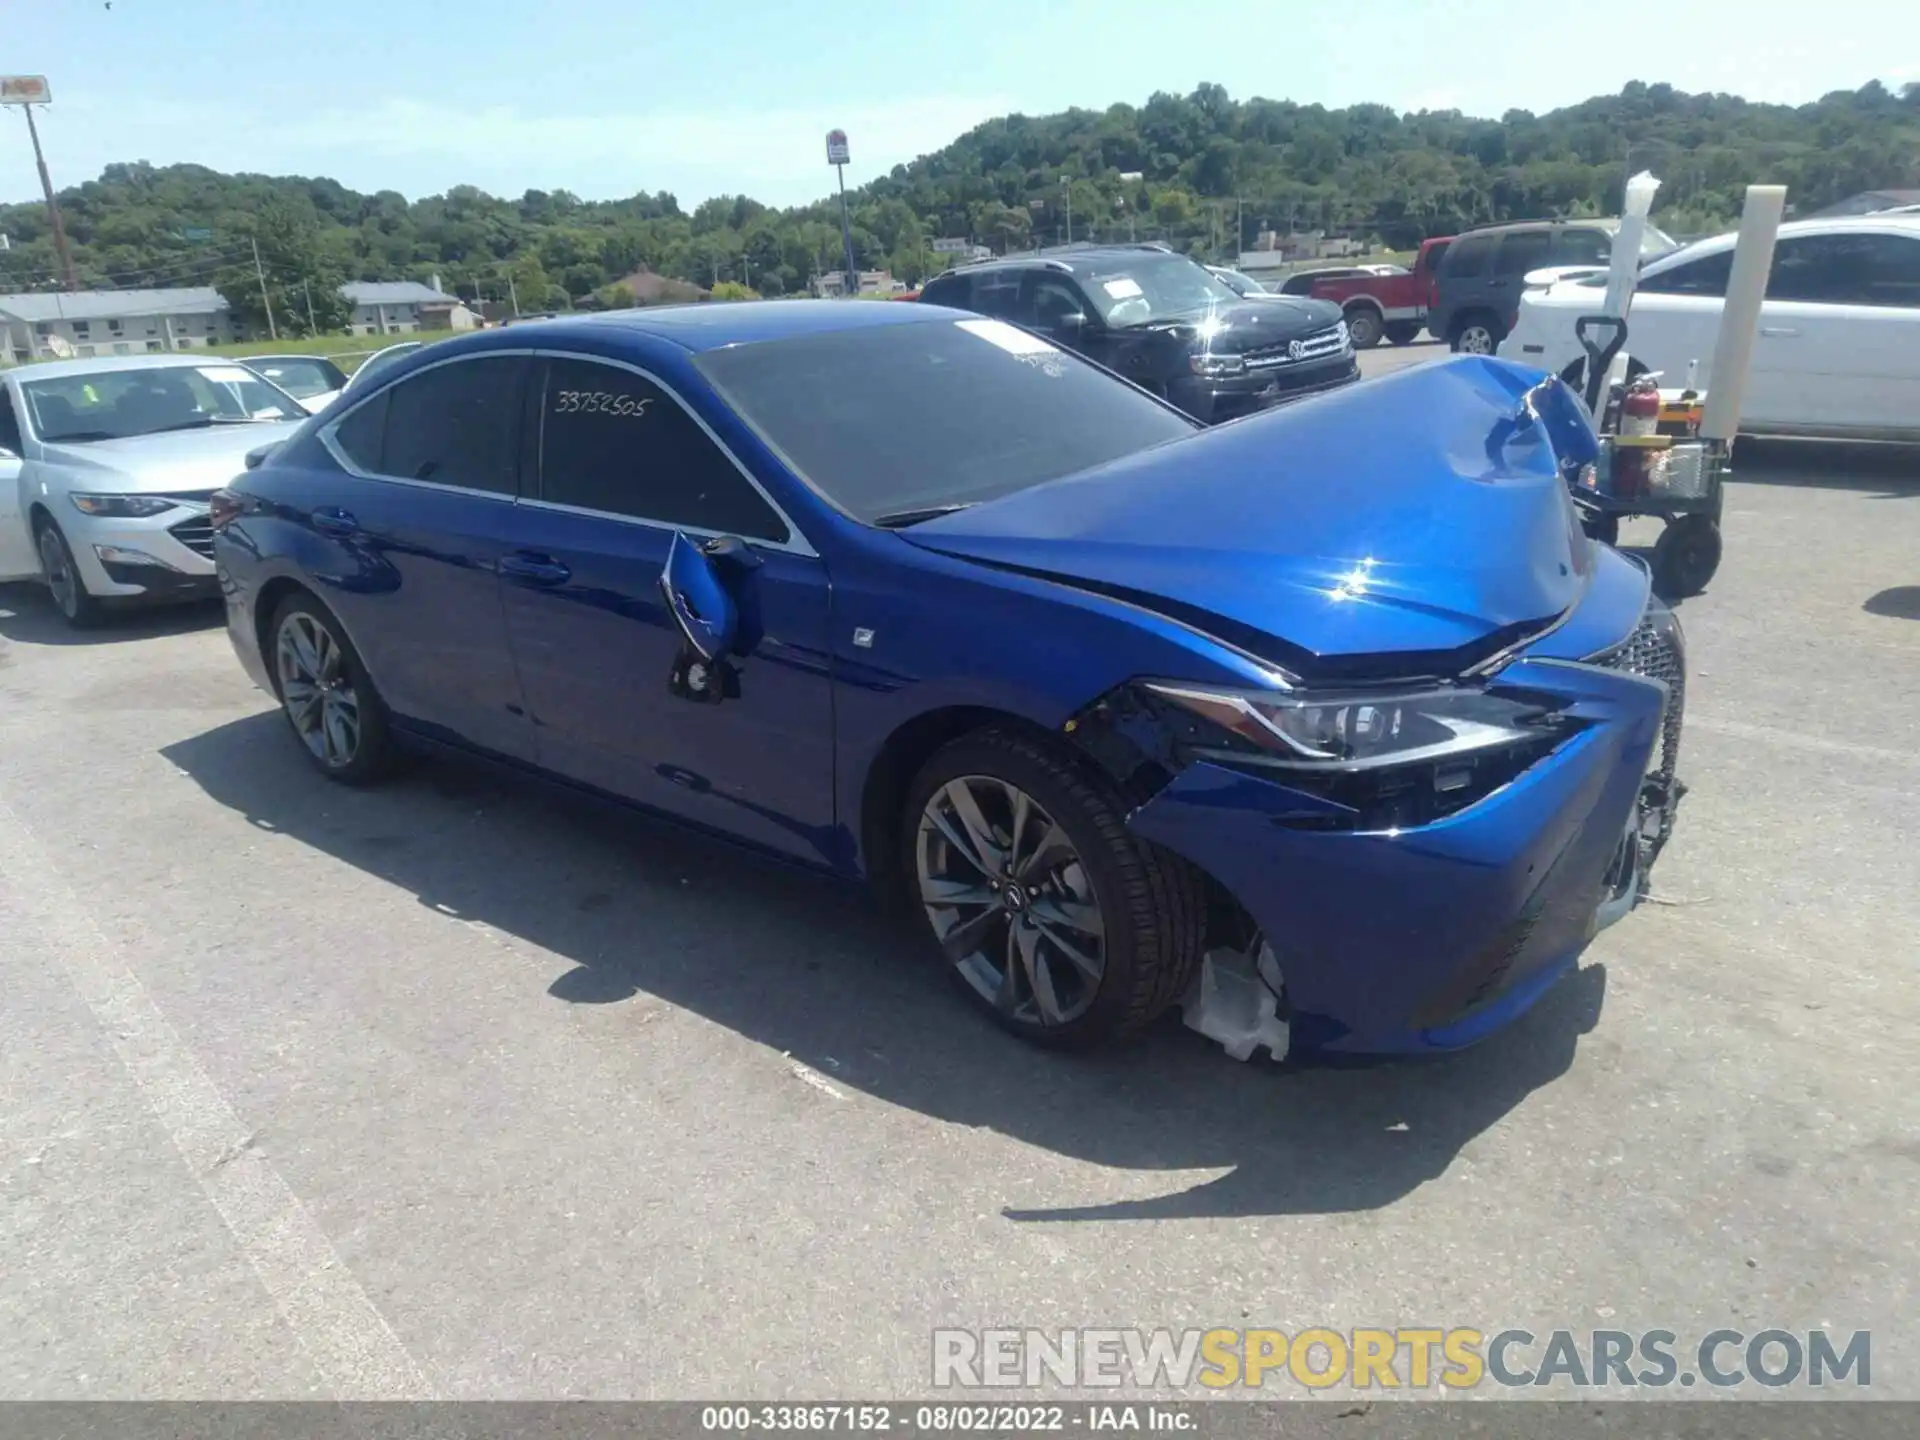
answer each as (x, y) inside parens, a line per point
(1654, 650)
(1321, 345)
(196, 534)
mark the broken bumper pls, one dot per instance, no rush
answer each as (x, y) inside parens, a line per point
(1433, 937)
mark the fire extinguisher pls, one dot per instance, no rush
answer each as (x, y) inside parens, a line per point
(1639, 419)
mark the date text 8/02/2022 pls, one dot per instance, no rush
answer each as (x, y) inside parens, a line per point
(943, 1418)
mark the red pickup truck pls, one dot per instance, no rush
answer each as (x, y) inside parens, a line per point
(1393, 307)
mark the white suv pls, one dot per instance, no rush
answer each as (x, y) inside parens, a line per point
(1838, 353)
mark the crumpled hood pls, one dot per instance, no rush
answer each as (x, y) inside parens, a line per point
(176, 461)
(1414, 514)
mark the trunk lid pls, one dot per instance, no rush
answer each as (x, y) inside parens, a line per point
(1413, 515)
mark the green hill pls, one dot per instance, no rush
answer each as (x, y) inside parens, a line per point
(1205, 163)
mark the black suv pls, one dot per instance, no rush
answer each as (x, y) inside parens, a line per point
(1477, 291)
(1164, 322)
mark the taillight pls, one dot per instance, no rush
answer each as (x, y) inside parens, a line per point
(224, 507)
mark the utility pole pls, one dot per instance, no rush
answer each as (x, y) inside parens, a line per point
(313, 325)
(1066, 188)
(513, 295)
(53, 206)
(1239, 226)
(260, 273)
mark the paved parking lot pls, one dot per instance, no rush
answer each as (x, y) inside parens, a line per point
(456, 1088)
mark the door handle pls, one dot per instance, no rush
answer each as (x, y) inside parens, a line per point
(1778, 332)
(537, 569)
(331, 520)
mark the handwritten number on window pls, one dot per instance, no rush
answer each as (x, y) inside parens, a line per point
(600, 402)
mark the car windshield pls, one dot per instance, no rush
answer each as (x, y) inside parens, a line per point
(120, 404)
(1168, 287)
(301, 376)
(892, 422)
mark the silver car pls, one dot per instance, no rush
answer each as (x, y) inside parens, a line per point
(107, 466)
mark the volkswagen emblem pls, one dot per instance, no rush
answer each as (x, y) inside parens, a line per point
(1295, 349)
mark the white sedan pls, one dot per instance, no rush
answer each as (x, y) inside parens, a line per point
(1838, 355)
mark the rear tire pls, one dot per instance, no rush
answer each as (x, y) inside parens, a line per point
(80, 608)
(326, 694)
(1400, 332)
(1050, 915)
(1364, 327)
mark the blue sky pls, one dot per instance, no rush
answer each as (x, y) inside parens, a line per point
(604, 100)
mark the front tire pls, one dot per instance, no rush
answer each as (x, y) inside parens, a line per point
(1055, 920)
(325, 693)
(80, 608)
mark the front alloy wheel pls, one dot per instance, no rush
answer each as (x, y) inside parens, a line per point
(1010, 901)
(64, 582)
(317, 690)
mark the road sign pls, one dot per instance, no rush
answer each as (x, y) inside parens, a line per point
(951, 247)
(837, 147)
(24, 90)
(196, 233)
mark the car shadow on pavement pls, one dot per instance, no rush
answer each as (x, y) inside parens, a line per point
(817, 972)
(28, 617)
(1881, 471)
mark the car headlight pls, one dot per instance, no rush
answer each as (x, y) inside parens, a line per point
(1364, 731)
(1218, 364)
(122, 507)
(1346, 335)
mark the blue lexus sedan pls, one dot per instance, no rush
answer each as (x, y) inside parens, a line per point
(1327, 726)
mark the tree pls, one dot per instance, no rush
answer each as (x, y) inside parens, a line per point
(290, 279)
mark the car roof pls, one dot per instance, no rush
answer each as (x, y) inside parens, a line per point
(1609, 224)
(1078, 260)
(289, 355)
(1832, 225)
(105, 364)
(712, 325)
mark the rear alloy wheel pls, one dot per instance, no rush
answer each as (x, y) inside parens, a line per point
(1475, 337)
(326, 695)
(1364, 327)
(1057, 921)
(78, 607)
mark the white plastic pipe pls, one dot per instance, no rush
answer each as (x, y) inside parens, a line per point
(1740, 314)
(1623, 271)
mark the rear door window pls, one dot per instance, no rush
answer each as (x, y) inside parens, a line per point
(457, 424)
(615, 442)
(1856, 268)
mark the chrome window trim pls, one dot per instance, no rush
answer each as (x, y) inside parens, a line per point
(796, 542)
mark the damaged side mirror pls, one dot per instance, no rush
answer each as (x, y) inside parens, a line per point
(695, 584)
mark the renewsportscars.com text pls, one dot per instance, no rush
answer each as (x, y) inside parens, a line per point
(1405, 1358)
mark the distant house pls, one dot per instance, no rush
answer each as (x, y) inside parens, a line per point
(1867, 202)
(647, 288)
(54, 323)
(832, 284)
(394, 307)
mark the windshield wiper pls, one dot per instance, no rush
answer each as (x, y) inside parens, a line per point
(899, 519)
